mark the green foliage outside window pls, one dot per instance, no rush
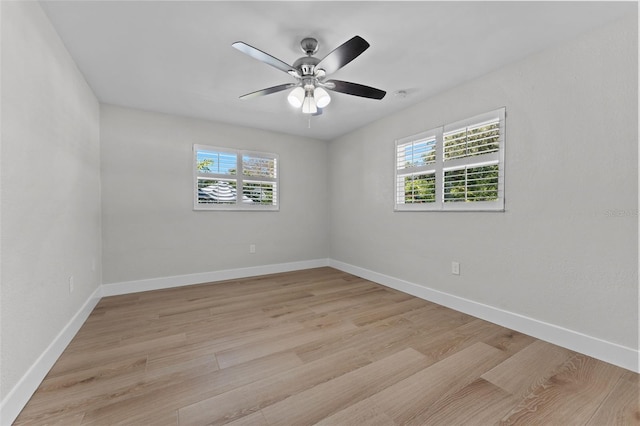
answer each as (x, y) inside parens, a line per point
(468, 142)
(471, 184)
(420, 188)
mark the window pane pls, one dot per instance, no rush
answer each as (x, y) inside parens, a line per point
(259, 192)
(471, 184)
(418, 188)
(415, 154)
(470, 141)
(217, 162)
(259, 167)
(214, 191)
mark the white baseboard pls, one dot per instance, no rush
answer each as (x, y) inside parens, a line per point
(18, 397)
(128, 287)
(603, 350)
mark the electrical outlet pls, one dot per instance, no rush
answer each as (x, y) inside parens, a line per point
(71, 284)
(252, 248)
(455, 268)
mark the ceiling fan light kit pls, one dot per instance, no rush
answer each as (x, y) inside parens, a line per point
(309, 105)
(321, 96)
(296, 97)
(310, 89)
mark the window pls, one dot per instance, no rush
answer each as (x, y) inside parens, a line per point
(459, 166)
(220, 174)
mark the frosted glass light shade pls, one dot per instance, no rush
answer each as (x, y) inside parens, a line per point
(322, 97)
(309, 105)
(296, 97)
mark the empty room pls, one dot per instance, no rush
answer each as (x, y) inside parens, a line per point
(319, 212)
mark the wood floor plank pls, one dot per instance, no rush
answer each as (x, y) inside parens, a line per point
(205, 363)
(219, 342)
(72, 406)
(353, 304)
(351, 387)
(622, 406)
(529, 368)
(479, 403)
(388, 310)
(253, 419)
(89, 376)
(406, 399)
(445, 378)
(248, 399)
(158, 417)
(571, 396)
(79, 360)
(359, 416)
(316, 346)
(225, 326)
(175, 392)
(52, 401)
(365, 340)
(443, 345)
(267, 346)
(509, 341)
(58, 419)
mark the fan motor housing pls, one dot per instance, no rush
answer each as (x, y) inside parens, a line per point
(306, 65)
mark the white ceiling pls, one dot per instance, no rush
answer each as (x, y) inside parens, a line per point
(176, 56)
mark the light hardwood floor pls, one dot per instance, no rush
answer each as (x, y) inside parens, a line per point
(317, 347)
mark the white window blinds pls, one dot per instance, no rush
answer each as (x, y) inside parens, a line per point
(459, 166)
(227, 179)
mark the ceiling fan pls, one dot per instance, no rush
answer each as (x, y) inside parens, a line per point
(310, 74)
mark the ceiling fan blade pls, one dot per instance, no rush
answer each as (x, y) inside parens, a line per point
(343, 54)
(263, 57)
(268, 91)
(354, 89)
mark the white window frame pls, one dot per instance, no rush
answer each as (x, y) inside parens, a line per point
(440, 166)
(239, 178)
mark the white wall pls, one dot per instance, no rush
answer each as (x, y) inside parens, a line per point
(150, 229)
(50, 173)
(565, 251)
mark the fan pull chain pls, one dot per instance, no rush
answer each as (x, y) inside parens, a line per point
(309, 122)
